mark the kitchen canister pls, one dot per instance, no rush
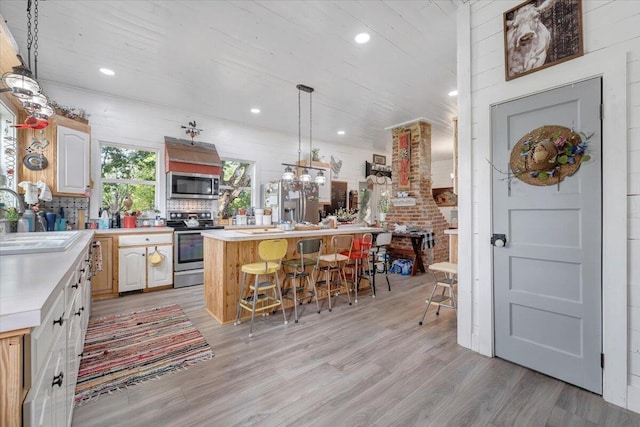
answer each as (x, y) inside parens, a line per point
(50, 218)
(258, 215)
(129, 221)
(266, 219)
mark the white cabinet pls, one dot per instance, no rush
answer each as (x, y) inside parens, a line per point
(72, 160)
(55, 348)
(135, 270)
(161, 274)
(132, 269)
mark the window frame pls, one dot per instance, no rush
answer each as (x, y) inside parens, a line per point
(157, 184)
(252, 187)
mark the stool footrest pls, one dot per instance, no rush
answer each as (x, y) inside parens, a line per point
(248, 305)
(445, 284)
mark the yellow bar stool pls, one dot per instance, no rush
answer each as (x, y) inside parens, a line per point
(448, 296)
(266, 295)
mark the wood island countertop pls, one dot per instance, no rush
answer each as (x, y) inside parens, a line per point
(257, 233)
(225, 251)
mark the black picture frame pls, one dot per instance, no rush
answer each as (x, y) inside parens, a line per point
(551, 27)
(379, 159)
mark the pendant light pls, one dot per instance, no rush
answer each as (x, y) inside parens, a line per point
(305, 176)
(22, 83)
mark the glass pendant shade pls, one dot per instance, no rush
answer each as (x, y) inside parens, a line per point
(288, 174)
(35, 103)
(305, 177)
(44, 112)
(320, 178)
(21, 83)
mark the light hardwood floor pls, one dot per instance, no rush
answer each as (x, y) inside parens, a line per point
(369, 364)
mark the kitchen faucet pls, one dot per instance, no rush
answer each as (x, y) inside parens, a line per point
(17, 197)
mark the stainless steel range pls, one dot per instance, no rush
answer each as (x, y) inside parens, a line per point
(188, 245)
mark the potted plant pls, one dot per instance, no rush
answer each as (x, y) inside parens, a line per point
(383, 205)
(11, 215)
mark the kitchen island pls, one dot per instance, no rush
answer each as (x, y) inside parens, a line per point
(45, 303)
(225, 251)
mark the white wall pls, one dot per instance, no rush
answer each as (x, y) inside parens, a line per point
(611, 50)
(131, 122)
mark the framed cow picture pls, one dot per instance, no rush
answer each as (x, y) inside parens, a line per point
(541, 33)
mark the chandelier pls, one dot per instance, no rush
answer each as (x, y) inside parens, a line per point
(305, 176)
(21, 82)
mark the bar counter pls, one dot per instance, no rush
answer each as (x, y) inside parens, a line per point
(225, 251)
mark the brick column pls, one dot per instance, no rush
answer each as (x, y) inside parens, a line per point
(425, 214)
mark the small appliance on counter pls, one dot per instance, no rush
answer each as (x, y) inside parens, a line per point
(188, 245)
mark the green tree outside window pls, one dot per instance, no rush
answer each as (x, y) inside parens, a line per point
(128, 173)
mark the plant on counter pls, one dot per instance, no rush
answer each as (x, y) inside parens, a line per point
(345, 215)
(11, 214)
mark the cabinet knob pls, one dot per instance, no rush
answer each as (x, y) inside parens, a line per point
(79, 312)
(57, 380)
(60, 321)
(75, 286)
(82, 270)
(147, 239)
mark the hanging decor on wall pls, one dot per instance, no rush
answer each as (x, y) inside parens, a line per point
(404, 160)
(548, 154)
(539, 34)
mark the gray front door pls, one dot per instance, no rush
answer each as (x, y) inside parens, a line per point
(547, 279)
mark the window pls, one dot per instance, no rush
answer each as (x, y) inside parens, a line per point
(236, 187)
(128, 173)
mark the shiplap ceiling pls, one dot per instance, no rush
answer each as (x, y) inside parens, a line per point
(220, 58)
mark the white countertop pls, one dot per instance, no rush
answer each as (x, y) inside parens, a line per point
(451, 231)
(28, 283)
(133, 230)
(237, 236)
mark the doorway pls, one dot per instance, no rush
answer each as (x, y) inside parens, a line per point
(547, 278)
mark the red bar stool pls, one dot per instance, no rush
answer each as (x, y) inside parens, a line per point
(359, 259)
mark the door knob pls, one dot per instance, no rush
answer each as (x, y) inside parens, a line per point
(499, 240)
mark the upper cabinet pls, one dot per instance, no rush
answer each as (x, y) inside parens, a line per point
(73, 160)
(65, 145)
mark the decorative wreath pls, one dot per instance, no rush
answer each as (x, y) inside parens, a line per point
(548, 154)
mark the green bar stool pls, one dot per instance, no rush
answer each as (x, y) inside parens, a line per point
(264, 296)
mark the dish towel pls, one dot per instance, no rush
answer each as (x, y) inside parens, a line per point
(97, 257)
(45, 193)
(429, 240)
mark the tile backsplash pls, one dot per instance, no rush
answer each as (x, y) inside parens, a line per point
(192, 205)
(71, 206)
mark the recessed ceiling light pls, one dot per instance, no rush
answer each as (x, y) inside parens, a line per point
(453, 93)
(362, 38)
(340, 132)
(107, 72)
(255, 110)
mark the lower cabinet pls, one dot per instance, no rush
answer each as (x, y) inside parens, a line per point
(54, 350)
(103, 284)
(136, 271)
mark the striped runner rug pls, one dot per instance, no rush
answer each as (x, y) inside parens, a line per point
(127, 349)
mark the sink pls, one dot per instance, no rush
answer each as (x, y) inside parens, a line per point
(31, 243)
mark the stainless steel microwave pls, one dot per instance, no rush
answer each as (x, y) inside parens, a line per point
(184, 185)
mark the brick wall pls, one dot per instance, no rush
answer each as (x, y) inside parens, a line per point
(425, 214)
